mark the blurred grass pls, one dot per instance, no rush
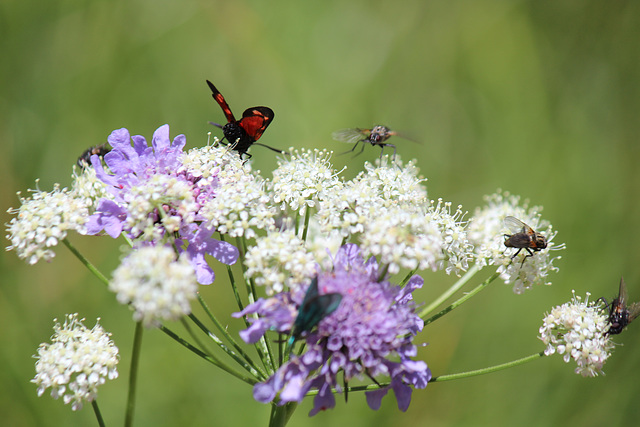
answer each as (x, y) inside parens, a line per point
(538, 98)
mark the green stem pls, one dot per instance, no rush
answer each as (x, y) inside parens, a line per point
(133, 374)
(280, 415)
(262, 346)
(127, 239)
(86, 262)
(488, 370)
(451, 377)
(297, 222)
(197, 340)
(307, 217)
(241, 243)
(452, 290)
(253, 371)
(206, 357)
(367, 387)
(383, 272)
(407, 277)
(251, 286)
(463, 299)
(234, 288)
(96, 410)
(224, 332)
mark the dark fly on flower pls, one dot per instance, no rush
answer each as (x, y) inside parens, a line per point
(620, 315)
(378, 135)
(85, 158)
(313, 309)
(243, 133)
(523, 237)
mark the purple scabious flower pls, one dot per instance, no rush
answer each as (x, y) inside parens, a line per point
(156, 200)
(369, 335)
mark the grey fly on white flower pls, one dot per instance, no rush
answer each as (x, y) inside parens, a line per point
(523, 237)
(487, 232)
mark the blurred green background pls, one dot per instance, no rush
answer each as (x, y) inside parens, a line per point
(539, 98)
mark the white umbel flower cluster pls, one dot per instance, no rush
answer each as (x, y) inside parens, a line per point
(241, 205)
(304, 179)
(369, 194)
(43, 220)
(386, 209)
(157, 285)
(208, 161)
(87, 187)
(163, 194)
(578, 331)
(76, 362)
(278, 261)
(402, 239)
(456, 247)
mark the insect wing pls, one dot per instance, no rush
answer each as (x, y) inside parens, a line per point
(405, 136)
(622, 294)
(255, 120)
(519, 240)
(634, 311)
(221, 102)
(619, 314)
(517, 226)
(351, 136)
(315, 307)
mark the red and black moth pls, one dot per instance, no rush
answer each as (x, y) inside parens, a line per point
(243, 133)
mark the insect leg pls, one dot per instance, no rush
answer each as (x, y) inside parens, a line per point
(604, 300)
(248, 157)
(393, 159)
(363, 145)
(354, 147)
(526, 256)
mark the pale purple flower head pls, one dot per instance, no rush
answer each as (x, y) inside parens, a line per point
(369, 335)
(157, 200)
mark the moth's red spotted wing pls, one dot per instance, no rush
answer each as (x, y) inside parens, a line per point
(255, 120)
